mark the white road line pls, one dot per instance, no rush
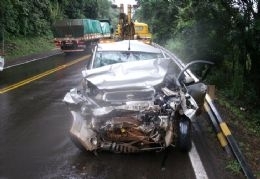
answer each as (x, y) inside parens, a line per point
(196, 163)
(32, 60)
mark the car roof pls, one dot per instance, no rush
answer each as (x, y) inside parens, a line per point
(135, 45)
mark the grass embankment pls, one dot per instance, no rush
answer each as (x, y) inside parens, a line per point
(245, 127)
(241, 112)
(21, 46)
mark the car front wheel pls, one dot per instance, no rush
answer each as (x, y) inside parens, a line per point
(184, 134)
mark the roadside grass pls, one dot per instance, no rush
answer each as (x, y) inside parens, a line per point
(21, 46)
(249, 119)
(245, 127)
(234, 167)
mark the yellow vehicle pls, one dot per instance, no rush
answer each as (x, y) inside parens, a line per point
(127, 29)
(142, 32)
(118, 31)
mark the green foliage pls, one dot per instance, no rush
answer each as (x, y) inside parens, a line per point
(104, 9)
(25, 17)
(234, 167)
(55, 11)
(241, 112)
(177, 46)
(20, 46)
(81, 9)
(34, 18)
(226, 32)
(160, 16)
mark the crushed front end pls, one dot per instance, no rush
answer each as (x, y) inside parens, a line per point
(125, 108)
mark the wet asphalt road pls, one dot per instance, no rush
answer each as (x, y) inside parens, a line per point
(34, 133)
(34, 140)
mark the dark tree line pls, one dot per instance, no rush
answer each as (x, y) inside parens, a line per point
(224, 31)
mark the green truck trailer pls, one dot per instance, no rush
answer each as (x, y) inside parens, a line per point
(77, 34)
(107, 28)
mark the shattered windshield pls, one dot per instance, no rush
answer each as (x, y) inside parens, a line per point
(104, 58)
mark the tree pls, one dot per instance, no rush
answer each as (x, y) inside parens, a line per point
(160, 15)
(227, 32)
(104, 9)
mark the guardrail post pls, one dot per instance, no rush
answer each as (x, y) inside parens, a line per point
(231, 140)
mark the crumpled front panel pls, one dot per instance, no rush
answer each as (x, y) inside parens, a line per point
(143, 73)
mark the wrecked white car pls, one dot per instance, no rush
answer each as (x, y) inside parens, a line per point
(133, 99)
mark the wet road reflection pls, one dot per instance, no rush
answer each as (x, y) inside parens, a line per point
(18, 73)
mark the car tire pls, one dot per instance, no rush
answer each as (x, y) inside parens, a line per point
(184, 134)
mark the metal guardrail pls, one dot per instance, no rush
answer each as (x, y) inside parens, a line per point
(226, 139)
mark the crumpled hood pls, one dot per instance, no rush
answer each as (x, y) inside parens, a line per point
(144, 73)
